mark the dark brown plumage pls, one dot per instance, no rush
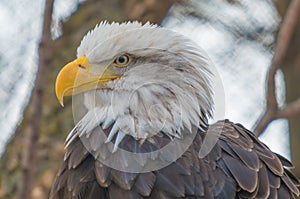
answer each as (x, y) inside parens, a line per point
(239, 166)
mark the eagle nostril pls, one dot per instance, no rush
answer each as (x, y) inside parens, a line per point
(81, 66)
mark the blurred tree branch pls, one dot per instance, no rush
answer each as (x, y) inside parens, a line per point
(273, 111)
(34, 112)
(148, 10)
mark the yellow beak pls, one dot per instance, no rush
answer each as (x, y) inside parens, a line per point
(75, 77)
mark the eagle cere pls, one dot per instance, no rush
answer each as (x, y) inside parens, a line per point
(148, 95)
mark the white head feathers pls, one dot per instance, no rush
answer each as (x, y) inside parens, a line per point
(165, 89)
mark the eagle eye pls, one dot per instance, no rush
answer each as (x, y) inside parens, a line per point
(122, 60)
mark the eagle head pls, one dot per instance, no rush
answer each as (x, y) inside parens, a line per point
(139, 80)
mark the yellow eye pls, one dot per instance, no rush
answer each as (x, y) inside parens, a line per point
(122, 60)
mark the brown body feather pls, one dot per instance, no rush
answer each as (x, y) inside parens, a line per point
(239, 166)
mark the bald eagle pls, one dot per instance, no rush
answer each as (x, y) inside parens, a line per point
(148, 95)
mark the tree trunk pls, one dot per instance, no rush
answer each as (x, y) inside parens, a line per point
(291, 71)
(286, 58)
(35, 108)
